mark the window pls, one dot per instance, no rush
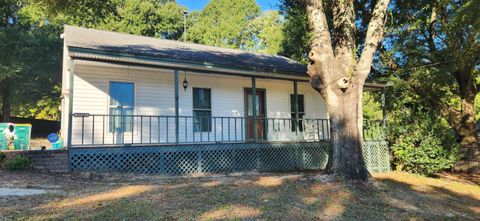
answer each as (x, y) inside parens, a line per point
(202, 110)
(121, 106)
(301, 111)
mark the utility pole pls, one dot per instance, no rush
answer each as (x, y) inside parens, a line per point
(185, 12)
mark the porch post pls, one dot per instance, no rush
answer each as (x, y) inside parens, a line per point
(177, 129)
(254, 108)
(295, 104)
(384, 116)
(71, 70)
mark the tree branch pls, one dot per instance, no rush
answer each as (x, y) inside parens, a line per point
(322, 64)
(375, 32)
(344, 34)
(431, 29)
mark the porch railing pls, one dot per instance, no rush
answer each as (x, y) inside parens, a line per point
(104, 129)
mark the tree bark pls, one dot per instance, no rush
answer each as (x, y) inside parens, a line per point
(346, 117)
(467, 128)
(336, 75)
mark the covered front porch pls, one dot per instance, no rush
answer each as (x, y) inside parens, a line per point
(184, 144)
(135, 104)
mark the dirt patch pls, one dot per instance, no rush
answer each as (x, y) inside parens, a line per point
(292, 196)
(468, 178)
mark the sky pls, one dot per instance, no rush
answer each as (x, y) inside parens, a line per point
(199, 4)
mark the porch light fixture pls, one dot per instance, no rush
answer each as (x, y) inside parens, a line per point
(185, 82)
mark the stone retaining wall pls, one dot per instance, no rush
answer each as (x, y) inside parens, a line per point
(45, 160)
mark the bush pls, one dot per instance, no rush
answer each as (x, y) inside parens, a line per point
(423, 153)
(2, 157)
(423, 144)
(421, 140)
(19, 162)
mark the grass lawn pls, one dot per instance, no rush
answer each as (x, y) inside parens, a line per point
(282, 196)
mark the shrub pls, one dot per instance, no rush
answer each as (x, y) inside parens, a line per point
(19, 162)
(421, 140)
(2, 157)
(423, 154)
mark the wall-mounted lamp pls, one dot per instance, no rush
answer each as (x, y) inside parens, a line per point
(185, 82)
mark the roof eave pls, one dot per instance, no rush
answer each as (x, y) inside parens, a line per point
(123, 58)
(98, 55)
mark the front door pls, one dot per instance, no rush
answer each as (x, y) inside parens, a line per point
(260, 110)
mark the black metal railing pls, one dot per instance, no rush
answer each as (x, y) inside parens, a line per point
(104, 129)
(374, 130)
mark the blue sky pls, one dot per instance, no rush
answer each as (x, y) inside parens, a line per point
(199, 4)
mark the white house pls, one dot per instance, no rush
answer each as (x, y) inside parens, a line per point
(126, 91)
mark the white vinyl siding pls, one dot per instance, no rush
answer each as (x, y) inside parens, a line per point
(154, 95)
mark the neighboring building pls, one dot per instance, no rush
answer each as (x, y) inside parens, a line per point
(132, 92)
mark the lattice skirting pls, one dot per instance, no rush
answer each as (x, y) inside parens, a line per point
(210, 158)
(377, 156)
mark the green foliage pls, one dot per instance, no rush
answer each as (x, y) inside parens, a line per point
(148, 18)
(421, 141)
(29, 62)
(436, 46)
(372, 106)
(19, 162)
(264, 33)
(46, 107)
(222, 23)
(297, 34)
(2, 157)
(424, 147)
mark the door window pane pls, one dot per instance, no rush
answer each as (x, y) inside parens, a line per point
(250, 105)
(121, 107)
(121, 94)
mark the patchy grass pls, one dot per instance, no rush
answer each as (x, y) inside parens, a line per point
(293, 196)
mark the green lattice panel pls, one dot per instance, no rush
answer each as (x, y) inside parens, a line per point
(218, 158)
(187, 159)
(377, 156)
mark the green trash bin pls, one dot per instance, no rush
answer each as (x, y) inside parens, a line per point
(3, 142)
(22, 136)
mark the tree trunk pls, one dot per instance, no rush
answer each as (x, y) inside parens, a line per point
(5, 95)
(339, 77)
(467, 128)
(346, 155)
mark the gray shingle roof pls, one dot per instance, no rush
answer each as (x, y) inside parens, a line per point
(113, 42)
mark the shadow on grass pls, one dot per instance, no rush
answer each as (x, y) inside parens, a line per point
(396, 196)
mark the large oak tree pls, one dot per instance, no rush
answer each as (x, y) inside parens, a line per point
(442, 37)
(338, 73)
